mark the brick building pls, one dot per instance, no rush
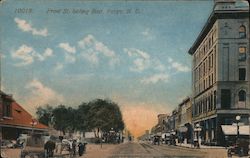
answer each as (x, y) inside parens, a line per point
(15, 120)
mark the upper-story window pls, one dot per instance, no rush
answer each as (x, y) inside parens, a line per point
(7, 108)
(242, 74)
(242, 31)
(242, 95)
(242, 53)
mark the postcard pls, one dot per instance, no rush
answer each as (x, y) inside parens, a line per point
(124, 78)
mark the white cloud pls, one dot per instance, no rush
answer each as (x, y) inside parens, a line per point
(28, 55)
(24, 53)
(100, 47)
(87, 41)
(139, 65)
(27, 27)
(158, 65)
(91, 57)
(58, 67)
(178, 66)
(147, 33)
(137, 53)
(93, 48)
(39, 94)
(70, 58)
(142, 60)
(48, 52)
(67, 47)
(163, 77)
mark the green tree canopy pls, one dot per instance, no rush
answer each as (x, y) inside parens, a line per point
(44, 114)
(104, 114)
(95, 115)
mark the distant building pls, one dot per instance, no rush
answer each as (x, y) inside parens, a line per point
(145, 136)
(221, 70)
(15, 120)
(185, 130)
(160, 127)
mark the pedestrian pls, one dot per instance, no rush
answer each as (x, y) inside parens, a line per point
(74, 147)
(229, 153)
(80, 149)
(49, 147)
(154, 140)
(158, 140)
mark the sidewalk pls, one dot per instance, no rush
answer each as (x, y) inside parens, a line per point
(212, 151)
(201, 146)
(11, 153)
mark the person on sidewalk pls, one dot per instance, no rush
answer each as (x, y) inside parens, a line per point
(49, 147)
(80, 149)
(74, 147)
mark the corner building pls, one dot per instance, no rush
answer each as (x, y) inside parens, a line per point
(221, 70)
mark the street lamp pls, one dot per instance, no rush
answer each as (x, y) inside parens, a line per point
(33, 123)
(198, 129)
(237, 122)
(173, 137)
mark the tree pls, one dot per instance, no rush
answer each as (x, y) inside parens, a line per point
(81, 117)
(44, 114)
(104, 115)
(97, 115)
(60, 114)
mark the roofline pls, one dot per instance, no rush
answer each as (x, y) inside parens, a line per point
(185, 101)
(24, 127)
(29, 113)
(236, 14)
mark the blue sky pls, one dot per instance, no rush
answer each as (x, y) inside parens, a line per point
(134, 53)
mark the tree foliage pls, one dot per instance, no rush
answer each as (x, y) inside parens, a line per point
(44, 114)
(94, 116)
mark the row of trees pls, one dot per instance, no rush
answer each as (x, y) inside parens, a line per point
(97, 115)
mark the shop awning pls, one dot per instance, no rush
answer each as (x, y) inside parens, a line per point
(165, 134)
(232, 129)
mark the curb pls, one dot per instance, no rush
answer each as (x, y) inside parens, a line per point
(202, 147)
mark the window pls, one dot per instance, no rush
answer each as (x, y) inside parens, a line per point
(209, 81)
(212, 60)
(204, 69)
(205, 105)
(215, 99)
(242, 95)
(208, 103)
(242, 31)
(225, 98)
(211, 101)
(242, 74)
(6, 108)
(242, 53)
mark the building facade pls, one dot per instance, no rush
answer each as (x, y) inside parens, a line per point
(15, 120)
(160, 127)
(185, 130)
(221, 70)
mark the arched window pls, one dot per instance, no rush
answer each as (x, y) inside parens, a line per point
(242, 95)
(242, 31)
(242, 53)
